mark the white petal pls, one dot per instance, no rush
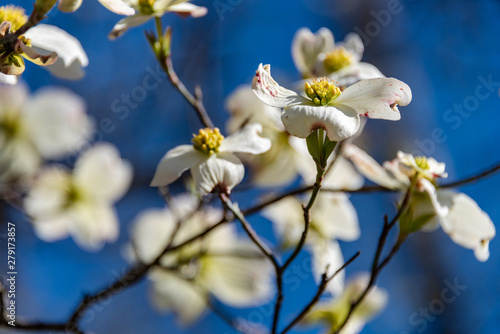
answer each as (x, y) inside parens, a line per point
(118, 7)
(354, 45)
(327, 257)
(374, 302)
(101, 173)
(175, 294)
(69, 5)
(279, 170)
(126, 23)
(335, 217)
(93, 224)
(19, 158)
(56, 122)
(271, 93)
(174, 162)
(288, 219)
(222, 169)
(245, 107)
(238, 281)
(71, 55)
(247, 140)
(367, 166)
(466, 223)
(376, 98)
(45, 202)
(151, 232)
(8, 79)
(351, 74)
(343, 175)
(306, 47)
(188, 9)
(301, 120)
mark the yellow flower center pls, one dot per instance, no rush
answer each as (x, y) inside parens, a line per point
(337, 59)
(322, 91)
(13, 14)
(146, 7)
(421, 162)
(208, 140)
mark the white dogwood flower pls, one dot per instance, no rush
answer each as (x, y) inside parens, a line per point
(457, 214)
(47, 125)
(306, 47)
(317, 55)
(45, 45)
(79, 203)
(141, 11)
(211, 159)
(329, 108)
(220, 264)
(333, 313)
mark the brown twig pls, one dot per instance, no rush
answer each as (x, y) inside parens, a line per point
(321, 288)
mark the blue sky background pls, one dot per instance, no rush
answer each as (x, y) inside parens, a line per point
(443, 49)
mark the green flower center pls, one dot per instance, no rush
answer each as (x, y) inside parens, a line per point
(421, 162)
(16, 16)
(146, 7)
(322, 91)
(208, 140)
(337, 59)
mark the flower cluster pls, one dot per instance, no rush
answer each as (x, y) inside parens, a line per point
(191, 250)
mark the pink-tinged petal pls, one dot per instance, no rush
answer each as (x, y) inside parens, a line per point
(118, 7)
(271, 93)
(222, 170)
(188, 9)
(69, 5)
(126, 23)
(376, 98)
(174, 162)
(301, 120)
(246, 140)
(466, 224)
(306, 47)
(371, 169)
(36, 57)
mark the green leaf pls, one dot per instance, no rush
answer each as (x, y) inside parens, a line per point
(313, 146)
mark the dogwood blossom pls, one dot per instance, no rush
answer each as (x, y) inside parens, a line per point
(318, 55)
(211, 159)
(220, 264)
(459, 215)
(45, 45)
(141, 11)
(332, 314)
(79, 203)
(47, 125)
(333, 218)
(329, 108)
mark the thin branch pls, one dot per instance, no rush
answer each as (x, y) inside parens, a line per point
(250, 231)
(321, 288)
(376, 265)
(473, 178)
(196, 100)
